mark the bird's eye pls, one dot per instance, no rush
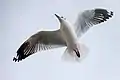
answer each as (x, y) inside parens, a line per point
(61, 16)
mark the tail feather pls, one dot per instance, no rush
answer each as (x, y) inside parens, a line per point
(70, 55)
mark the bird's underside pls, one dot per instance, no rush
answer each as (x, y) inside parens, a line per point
(45, 40)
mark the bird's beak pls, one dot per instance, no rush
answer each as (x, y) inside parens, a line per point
(59, 18)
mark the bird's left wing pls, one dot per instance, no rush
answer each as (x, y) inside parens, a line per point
(88, 18)
(42, 40)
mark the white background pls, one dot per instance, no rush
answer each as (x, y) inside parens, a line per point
(19, 19)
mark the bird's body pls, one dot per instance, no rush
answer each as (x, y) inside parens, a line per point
(68, 33)
(66, 36)
(70, 37)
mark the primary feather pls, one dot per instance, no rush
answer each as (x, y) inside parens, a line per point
(88, 18)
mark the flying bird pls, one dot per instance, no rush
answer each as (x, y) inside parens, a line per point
(66, 36)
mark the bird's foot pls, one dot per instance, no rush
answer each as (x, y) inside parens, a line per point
(77, 53)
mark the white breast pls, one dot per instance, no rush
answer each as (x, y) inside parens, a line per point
(68, 33)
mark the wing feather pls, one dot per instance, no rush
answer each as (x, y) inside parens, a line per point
(42, 40)
(88, 18)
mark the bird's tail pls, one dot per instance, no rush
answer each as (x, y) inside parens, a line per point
(70, 56)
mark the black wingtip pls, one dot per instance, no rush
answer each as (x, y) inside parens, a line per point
(20, 52)
(104, 13)
(111, 12)
(15, 59)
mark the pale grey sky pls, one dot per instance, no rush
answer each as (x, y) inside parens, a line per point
(19, 19)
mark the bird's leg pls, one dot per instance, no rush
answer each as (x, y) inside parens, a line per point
(77, 52)
(76, 49)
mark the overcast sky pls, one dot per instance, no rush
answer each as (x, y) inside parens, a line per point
(19, 19)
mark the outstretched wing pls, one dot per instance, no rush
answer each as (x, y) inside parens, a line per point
(40, 41)
(88, 18)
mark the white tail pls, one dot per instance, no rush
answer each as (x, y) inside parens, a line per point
(70, 55)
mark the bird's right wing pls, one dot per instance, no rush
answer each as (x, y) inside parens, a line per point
(89, 18)
(42, 40)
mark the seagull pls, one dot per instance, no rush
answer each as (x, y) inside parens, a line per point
(66, 36)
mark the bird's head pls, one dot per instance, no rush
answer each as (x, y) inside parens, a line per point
(61, 19)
